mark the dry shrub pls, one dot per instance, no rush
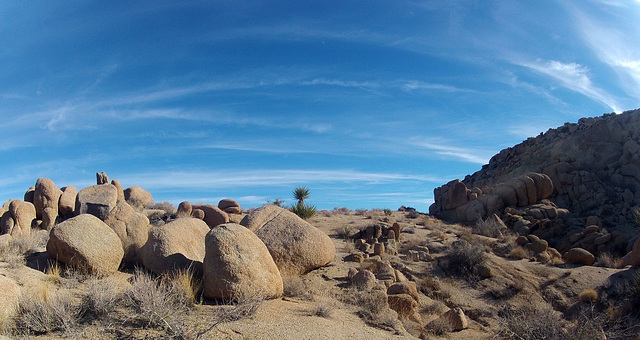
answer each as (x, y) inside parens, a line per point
(296, 287)
(588, 295)
(608, 260)
(19, 247)
(373, 308)
(428, 285)
(185, 285)
(46, 312)
(157, 302)
(102, 297)
(462, 258)
(324, 308)
(438, 327)
(488, 227)
(530, 322)
(518, 253)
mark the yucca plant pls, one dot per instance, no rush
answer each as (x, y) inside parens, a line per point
(300, 208)
(301, 194)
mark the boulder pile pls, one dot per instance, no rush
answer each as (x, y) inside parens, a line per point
(104, 227)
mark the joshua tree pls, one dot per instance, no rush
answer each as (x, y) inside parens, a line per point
(301, 194)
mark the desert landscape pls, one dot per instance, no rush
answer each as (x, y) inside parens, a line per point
(538, 244)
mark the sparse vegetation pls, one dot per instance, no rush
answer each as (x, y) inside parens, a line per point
(462, 258)
(46, 312)
(588, 295)
(305, 211)
(488, 227)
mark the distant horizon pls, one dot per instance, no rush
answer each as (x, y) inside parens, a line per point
(369, 105)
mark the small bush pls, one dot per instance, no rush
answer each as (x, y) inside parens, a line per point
(608, 260)
(167, 207)
(324, 308)
(46, 312)
(518, 253)
(304, 211)
(588, 295)
(388, 212)
(463, 258)
(488, 227)
(101, 299)
(529, 322)
(438, 327)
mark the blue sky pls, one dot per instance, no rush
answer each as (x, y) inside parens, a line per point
(367, 103)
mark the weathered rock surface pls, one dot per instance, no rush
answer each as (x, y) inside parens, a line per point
(23, 214)
(238, 265)
(46, 195)
(213, 216)
(138, 197)
(85, 242)
(229, 206)
(579, 256)
(10, 294)
(97, 200)
(131, 227)
(118, 186)
(184, 209)
(295, 245)
(67, 202)
(175, 245)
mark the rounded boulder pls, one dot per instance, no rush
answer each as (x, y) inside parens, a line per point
(238, 265)
(579, 256)
(213, 216)
(131, 227)
(46, 195)
(176, 245)
(295, 245)
(87, 243)
(97, 200)
(138, 197)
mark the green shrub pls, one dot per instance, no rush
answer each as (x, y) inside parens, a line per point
(305, 211)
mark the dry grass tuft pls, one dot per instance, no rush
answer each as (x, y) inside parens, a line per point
(608, 260)
(46, 312)
(103, 297)
(518, 253)
(588, 295)
(324, 308)
(488, 227)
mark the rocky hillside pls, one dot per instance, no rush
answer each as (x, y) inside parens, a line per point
(594, 167)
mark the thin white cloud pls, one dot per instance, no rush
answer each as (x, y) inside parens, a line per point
(219, 179)
(572, 76)
(615, 45)
(442, 147)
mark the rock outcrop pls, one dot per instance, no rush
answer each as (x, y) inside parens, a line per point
(131, 227)
(586, 170)
(138, 197)
(213, 215)
(97, 200)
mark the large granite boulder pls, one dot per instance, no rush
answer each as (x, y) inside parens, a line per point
(138, 197)
(213, 215)
(176, 245)
(238, 265)
(131, 227)
(295, 245)
(87, 243)
(67, 202)
(46, 195)
(97, 200)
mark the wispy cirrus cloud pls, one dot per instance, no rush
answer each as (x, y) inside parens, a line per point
(442, 147)
(615, 45)
(572, 76)
(258, 178)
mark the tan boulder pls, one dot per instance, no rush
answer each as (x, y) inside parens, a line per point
(29, 194)
(131, 227)
(10, 293)
(229, 206)
(87, 243)
(492, 203)
(213, 216)
(138, 197)
(49, 217)
(544, 185)
(238, 265)
(184, 209)
(406, 287)
(364, 280)
(295, 245)
(46, 195)
(197, 213)
(579, 256)
(521, 191)
(507, 195)
(176, 245)
(23, 215)
(404, 304)
(67, 202)
(118, 186)
(259, 217)
(97, 200)
(7, 223)
(456, 318)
